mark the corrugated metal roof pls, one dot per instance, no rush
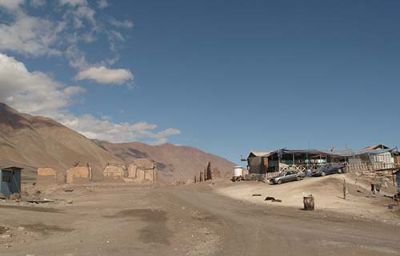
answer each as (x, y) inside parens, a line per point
(260, 153)
(377, 146)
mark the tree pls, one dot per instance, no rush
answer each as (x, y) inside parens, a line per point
(208, 172)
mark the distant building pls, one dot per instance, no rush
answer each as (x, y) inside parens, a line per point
(282, 159)
(257, 162)
(372, 158)
(10, 178)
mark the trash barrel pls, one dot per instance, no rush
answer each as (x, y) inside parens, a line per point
(308, 203)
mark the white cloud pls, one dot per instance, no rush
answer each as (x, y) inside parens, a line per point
(121, 23)
(105, 75)
(38, 3)
(29, 35)
(104, 129)
(37, 93)
(11, 5)
(73, 2)
(64, 36)
(32, 92)
(102, 4)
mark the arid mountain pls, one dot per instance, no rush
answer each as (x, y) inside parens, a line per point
(175, 163)
(34, 142)
(31, 142)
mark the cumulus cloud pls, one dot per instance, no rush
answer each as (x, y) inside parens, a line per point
(38, 3)
(32, 92)
(11, 4)
(37, 93)
(121, 23)
(105, 75)
(73, 2)
(73, 25)
(102, 4)
(104, 129)
(29, 35)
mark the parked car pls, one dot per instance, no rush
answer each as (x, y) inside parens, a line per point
(329, 169)
(287, 176)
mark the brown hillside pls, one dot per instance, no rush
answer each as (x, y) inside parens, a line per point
(41, 142)
(31, 142)
(175, 163)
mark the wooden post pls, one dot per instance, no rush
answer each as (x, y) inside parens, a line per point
(195, 179)
(344, 189)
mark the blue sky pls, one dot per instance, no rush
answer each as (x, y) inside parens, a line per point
(225, 76)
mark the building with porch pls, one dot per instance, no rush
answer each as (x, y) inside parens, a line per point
(373, 157)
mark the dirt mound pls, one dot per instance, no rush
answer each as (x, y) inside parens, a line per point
(327, 192)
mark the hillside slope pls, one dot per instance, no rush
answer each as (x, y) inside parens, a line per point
(175, 163)
(41, 142)
(32, 141)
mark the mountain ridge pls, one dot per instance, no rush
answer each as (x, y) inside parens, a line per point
(36, 141)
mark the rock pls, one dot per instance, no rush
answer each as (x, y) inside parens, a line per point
(15, 196)
(21, 228)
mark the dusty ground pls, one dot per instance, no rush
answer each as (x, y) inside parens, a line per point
(327, 192)
(184, 220)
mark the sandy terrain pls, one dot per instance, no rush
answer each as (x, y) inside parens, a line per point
(327, 192)
(115, 219)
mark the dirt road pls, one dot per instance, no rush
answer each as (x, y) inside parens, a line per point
(249, 229)
(185, 220)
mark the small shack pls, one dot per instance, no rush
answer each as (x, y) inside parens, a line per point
(373, 157)
(79, 174)
(10, 178)
(257, 162)
(114, 172)
(142, 169)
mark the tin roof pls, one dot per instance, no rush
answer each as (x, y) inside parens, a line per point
(259, 153)
(10, 168)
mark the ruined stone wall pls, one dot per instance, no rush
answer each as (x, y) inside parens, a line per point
(114, 171)
(144, 173)
(132, 169)
(48, 176)
(79, 174)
